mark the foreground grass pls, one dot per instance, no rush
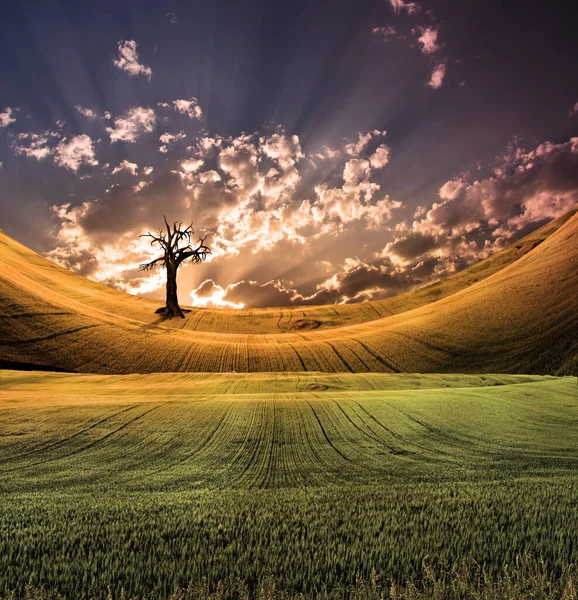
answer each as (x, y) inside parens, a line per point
(314, 541)
(273, 486)
(526, 578)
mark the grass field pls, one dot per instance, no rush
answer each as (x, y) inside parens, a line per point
(514, 312)
(307, 482)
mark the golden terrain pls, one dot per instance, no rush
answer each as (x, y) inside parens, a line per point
(515, 312)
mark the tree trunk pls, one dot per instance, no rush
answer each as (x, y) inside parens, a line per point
(172, 308)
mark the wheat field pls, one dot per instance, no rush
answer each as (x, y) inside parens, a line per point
(307, 483)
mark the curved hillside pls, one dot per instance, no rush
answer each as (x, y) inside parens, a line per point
(514, 312)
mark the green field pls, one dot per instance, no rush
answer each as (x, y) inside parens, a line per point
(306, 481)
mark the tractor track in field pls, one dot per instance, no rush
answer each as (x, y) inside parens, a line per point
(88, 446)
(386, 363)
(337, 451)
(207, 441)
(418, 340)
(239, 477)
(444, 436)
(340, 357)
(62, 441)
(374, 437)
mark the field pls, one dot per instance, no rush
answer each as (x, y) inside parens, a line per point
(515, 312)
(307, 482)
(287, 453)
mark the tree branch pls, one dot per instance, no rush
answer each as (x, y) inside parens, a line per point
(153, 264)
(196, 255)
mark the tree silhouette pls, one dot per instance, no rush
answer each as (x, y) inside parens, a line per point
(174, 254)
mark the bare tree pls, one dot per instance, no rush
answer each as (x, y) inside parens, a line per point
(174, 254)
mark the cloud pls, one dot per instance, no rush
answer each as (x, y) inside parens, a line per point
(127, 167)
(402, 5)
(357, 148)
(387, 32)
(473, 219)
(265, 205)
(380, 158)
(357, 281)
(6, 117)
(409, 247)
(128, 60)
(74, 153)
(428, 40)
(34, 145)
(255, 194)
(254, 294)
(168, 139)
(209, 294)
(129, 127)
(572, 112)
(86, 112)
(437, 76)
(189, 107)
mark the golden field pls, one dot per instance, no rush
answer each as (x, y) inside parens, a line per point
(514, 312)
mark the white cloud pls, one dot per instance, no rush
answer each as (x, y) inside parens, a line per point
(71, 154)
(355, 149)
(189, 107)
(355, 170)
(86, 112)
(211, 294)
(402, 5)
(127, 167)
(437, 76)
(188, 170)
(428, 40)
(6, 117)
(128, 60)
(254, 193)
(380, 157)
(74, 153)
(573, 111)
(168, 139)
(129, 127)
(34, 145)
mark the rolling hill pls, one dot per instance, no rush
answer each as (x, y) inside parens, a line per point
(515, 312)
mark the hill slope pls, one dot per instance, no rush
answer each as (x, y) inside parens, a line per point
(514, 312)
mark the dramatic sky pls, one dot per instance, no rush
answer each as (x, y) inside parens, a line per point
(332, 150)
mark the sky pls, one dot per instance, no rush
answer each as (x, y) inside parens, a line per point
(332, 151)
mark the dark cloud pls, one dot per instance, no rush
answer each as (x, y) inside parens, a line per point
(253, 294)
(410, 246)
